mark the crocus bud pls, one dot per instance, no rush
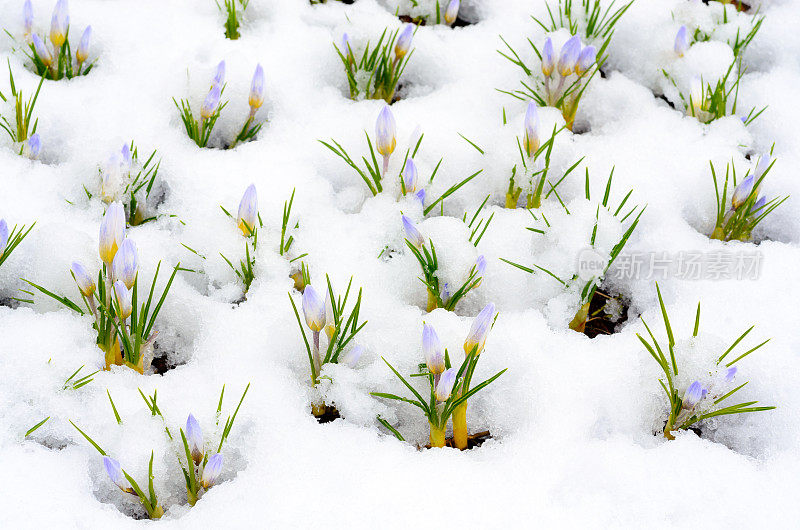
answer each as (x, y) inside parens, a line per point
(404, 41)
(451, 12)
(247, 217)
(112, 232)
(123, 298)
(413, 235)
(330, 317)
(548, 57)
(693, 395)
(27, 17)
(59, 23)
(83, 46)
(127, 160)
(41, 50)
(445, 385)
(194, 437)
(742, 191)
(480, 265)
(219, 75)
(3, 236)
(111, 179)
(313, 309)
(83, 279)
(532, 126)
(385, 130)
(696, 95)
(347, 48)
(421, 196)
(479, 330)
(730, 374)
(764, 161)
(432, 349)
(211, 102)
(351, 357)
(211, 471)
(681, 41)
(569, 56)
(410, 179)
(760, 203)
(33, 146)
(257, 89)
(586, 59)
(115, 474)
(126, 263)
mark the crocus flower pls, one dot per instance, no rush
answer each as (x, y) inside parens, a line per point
(211, 102)
(3, 236)
(112, 232)
(115, 474)
(248, 211)
(83, 279)
(257, 89)
(404, 41)
(123, 298)
(432, 349)
(41, 50)
(742, 191)
(730, 374)
(532, 126)
(410, 179)
(445, 385)
(351, 357)
(127, 160)
(27, 17)
(313, 309)
(126, 263)
(764, 162)
(451, 12)
(385, 131)
(586, 59)
(211, 471)
(194, 438)
(696, 95)
(347, 48)
(59, 24)
(330, 317)
(219, 75)
(480, 265)
(548, 57)
(83, 46)
(111, 179)
(569, 56)
(681, 41)
(413, 235)
(33, 146)
(421, 196)
(693, 395)
(760, 203)
(479, 330)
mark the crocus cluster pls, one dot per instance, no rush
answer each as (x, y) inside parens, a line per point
(123, 178)
(450, 387)
(22, 127)
(328, 315)
(568, 72)
(247, 221)
(232, 16)
(443, 12)
(200, 129)
(747, 207)
(9, 240)
(201, 470)
(376, 74)
(440, 294)
(54, 60)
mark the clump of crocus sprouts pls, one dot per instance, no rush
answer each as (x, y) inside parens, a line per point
(52, 56)
(444, 12)
(737, 218)
(700, 400)
(10, 240)
(248, 221)
(328, 315)
(376, 74)
(200, 129)
(587, 19)
(22, 127)
(123, 317)
(450, 388)
(708, 102)
(440, 295)
(232, 16)
(124, 178)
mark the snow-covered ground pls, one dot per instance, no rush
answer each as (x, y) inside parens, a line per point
(574, 420)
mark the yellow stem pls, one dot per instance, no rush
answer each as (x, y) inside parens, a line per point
(318, 409)
(432, 302)
(460, 426)
(437, 436)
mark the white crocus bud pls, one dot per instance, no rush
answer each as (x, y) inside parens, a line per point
(83, 279)
(211, 471)
(479, 330)
(313, 309)
(432, 349)
(112, 232)
(194, 438)
(445, 385)
(247, 216)
(125, 265)
(413, 235)
(123, 298)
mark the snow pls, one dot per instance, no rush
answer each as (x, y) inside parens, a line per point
(574, 420)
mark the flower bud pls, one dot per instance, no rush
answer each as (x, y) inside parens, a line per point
(211, 471)
(385, 130)
(742, 192)
(548, 57)
(219, 75)
(586, 59)
(532, 126)
(445, 386)
(83, 279)
(681, 41)
(479, 330)
(115, 474)
(404, 41)
(421, 196)
(760, 203)
(194, 438)
(693, 395)
(730, 374)
(211, 102)
(347, 48)
(330, 317)
(351, 357)
(696, 95)
(112, 232)
(480, 266)
(257, 89)
(409, 176)
(127, 160)
(59, 23)
(247, 217)
(764, 163)
(41, 51)
(123, 298)
(3, 236)
(313, 309)
(432, 349)
(27, 17)
(83, 46)
(126, 263)
(569, 56)
(451, 12)
(111, 179)
(413, 235)
(33, 146)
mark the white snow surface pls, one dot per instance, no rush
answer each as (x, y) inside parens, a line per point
(573, 420)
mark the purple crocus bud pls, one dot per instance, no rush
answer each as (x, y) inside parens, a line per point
(112, 232)
(83, 279)
(385, 132)
(532, 125)
(313, 309)
(479, 330)
(123, 297)
(413, 235)
(83, 46)
(351, 357)
(445, 385)
(211, 102)
(194, 438)
(742, 191)
(586, 59)
(693, 395)
(219, 75)
(410, 176)
(3, 236)
(59, 24)
(432, 349)
(33, 146)
(404, 41)
(115, 474)
(569, 56)
(248, 211)
(681, 41)
(27, 17)
(480, 265)
(421, 196)
(211, 471)
(257, 89)
(548, 57)
(451, 12)
(730, 374)
(125, 265)
(41, 50)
